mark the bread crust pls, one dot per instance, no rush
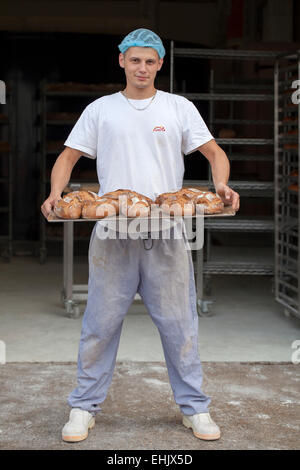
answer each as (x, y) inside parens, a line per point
(178, 206)
(70, 206)
(126, 192)
(191, 193)
(161, 197)
(204, 202)
(208, 203)
(135, 205)
(103, 207)
(82, 196)
(293, 187)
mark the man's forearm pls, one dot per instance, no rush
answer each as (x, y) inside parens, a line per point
(60, 175)
(220, 168)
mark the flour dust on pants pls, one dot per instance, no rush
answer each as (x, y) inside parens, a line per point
(161, 271)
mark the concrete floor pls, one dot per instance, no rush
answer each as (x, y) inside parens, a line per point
(247, 324)
(255, 405)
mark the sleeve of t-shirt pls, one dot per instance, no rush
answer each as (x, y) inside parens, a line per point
(195, 131)
(83, 136)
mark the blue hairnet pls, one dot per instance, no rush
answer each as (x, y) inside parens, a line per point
(143, 38)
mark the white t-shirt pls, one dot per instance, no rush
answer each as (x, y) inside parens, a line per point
(139, 150)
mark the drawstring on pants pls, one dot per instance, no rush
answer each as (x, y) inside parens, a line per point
(148, 239)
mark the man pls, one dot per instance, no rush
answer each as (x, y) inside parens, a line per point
(139, 137)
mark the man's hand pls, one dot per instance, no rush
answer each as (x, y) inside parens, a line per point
(48, 205)
(220, 169)
(60, 176)
(228, 196)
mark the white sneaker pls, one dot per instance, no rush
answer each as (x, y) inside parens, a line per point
(203, 426)
(77, 428)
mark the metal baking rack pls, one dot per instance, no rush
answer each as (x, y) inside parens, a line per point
(241, 92)
(7, 155)
(287, 181)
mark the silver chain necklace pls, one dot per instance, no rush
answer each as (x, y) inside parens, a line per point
(139, 109)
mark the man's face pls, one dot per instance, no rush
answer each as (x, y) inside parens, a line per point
(141, 65)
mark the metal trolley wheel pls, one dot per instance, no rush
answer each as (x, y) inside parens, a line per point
(73, 310)
(203, 308)
(71, 307)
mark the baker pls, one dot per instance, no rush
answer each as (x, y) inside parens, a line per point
(139, 137)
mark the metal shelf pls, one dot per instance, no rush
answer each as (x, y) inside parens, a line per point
(53, 122)
(245, 141)
(244, 121)
(224, 54)
(244, 86)
(75, 94)
(288, 138)
(245, 157)
(288, 109)
(227, 96)
(238, 268)
(240, 225)
(75, 181)
(60, 239)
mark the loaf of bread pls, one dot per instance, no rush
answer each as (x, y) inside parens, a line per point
(70, 206)
(208, 203)
(293, 187)
(290, 146)
(290, 119)
(293, 132)
(191, 193)
(188, 201)
(178, 205)
(126, 192)
(183, 202)
(131, 203)
(102, 207)
(162, 197)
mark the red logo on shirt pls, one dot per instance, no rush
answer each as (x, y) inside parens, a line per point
(159, 128)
